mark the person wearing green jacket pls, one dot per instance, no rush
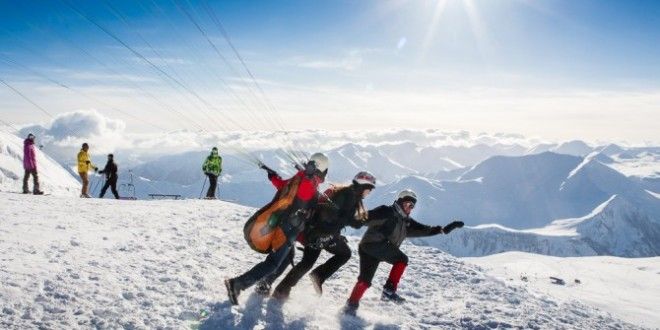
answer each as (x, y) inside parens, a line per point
(212, 168)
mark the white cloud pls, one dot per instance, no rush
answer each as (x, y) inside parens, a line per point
(64, 135)
(349, 61)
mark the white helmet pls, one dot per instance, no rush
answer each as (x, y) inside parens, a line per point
(320, 161)
(407, 195)
(365, 178)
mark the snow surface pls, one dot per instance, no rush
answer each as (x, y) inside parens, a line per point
(105, 264)
(627, 288)
(53, 178)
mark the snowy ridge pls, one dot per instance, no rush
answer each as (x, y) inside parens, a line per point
(53, 178)
(123, 264)
(586, 160)
(656, 195)
(568, 227)
(616, 227)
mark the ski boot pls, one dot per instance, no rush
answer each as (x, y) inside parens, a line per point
(316, 283)
(262, 288)
(232, 292)
(350, 308)
(389, 294)
(281, 296)
(38, 192)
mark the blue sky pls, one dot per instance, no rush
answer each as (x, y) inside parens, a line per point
(557, 69)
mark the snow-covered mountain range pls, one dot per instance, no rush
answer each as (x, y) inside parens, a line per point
(508, 192)
(105, 264)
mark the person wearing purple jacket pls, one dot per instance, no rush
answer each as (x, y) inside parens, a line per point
(30, 165)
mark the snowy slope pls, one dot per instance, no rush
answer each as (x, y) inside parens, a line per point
(616, 227)
(53, 178)
(105, 264)
(627, 288)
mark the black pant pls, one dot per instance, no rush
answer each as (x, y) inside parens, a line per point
(371, 254)
(213, 183)
(341, 254)
(112, 183)
(35, 179)
(274, 265)
(267, 270)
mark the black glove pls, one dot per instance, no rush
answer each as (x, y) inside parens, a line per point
(455, 224)
(96, 169)
(435, 230)
(87, 162)
(271, 174)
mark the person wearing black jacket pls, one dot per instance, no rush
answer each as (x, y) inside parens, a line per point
(110, 171)
(389, 225)
(323, 232)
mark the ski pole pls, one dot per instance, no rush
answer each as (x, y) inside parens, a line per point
(203, 185)
(95, 186)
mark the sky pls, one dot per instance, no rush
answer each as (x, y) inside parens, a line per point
(554, 69)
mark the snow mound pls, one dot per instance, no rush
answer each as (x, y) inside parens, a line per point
(88, 263)
(610, 283)
(53, 178)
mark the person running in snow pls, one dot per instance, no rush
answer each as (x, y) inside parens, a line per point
(343, 208)
(389, 225)
(30, 165)
(291, 222)
(212, 168)
(84, 165)
(110, 171)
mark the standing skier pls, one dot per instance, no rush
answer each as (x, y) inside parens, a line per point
(343, 207)
(84, 165)
(285, 216)
(30, 165)
(212, 168)
(110, 171)
(389, 225)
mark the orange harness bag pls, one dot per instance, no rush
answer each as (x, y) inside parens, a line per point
(259, 231)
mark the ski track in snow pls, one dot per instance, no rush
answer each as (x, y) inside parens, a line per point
(107, 264)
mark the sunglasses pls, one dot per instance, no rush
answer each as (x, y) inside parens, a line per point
(410, 205)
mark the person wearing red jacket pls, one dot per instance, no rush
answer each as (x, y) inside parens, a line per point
(292, 221)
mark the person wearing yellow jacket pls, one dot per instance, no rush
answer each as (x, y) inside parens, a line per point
(84, 165)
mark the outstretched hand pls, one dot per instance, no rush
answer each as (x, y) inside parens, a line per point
(453, 225)
(271, 173)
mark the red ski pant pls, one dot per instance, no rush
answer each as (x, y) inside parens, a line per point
(371, 255)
